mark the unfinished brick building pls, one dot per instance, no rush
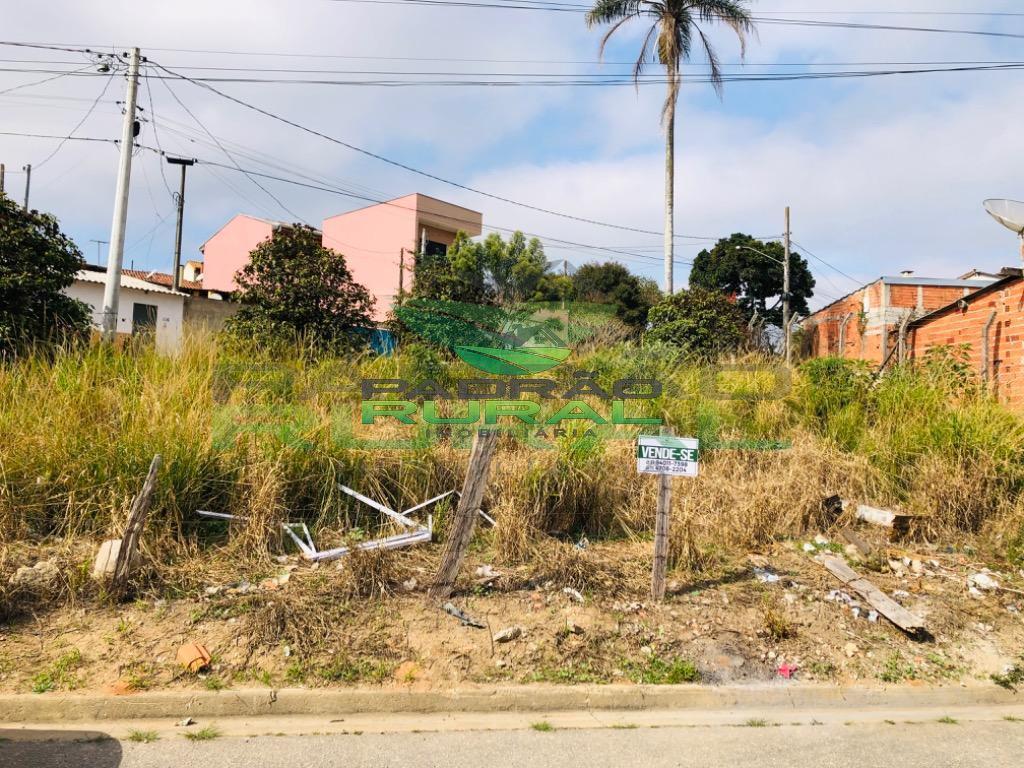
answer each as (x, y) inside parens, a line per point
(867, 323)
(989, 323)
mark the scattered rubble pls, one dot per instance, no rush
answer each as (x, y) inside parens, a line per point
(193, 657)
(467, 621)
(508, 634)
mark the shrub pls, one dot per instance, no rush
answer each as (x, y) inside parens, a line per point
(704, 323)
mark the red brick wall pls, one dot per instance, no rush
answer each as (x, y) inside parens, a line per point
(824, 325)
(1006, 338)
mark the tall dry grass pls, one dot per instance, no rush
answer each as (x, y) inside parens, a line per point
(78, 431)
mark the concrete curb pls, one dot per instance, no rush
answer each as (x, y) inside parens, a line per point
(48, 708)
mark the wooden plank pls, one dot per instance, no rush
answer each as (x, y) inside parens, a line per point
(878, 600)
(465, 515)
(661, 538)
(128, 554)
(862, 546)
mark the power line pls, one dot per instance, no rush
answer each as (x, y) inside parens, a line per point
(228, 154)
(86, 116)
(810, 253)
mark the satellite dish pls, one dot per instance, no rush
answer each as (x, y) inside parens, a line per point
(1009, 213)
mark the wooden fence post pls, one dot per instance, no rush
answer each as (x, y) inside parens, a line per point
(465, 515)
(128, 552)
(661, 524)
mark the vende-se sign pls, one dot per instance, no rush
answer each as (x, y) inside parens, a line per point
(677, 456)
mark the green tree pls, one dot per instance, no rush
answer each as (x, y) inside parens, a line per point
(515, 268)
(735, 267)
(612, 283)
(295, 289)
(457, 274)
(701, 322)
(669, 42)
(37, 261)
(482, 273)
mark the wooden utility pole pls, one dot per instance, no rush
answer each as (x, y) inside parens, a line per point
(785, 296)
(176, 273)
(401, 276)
(28, 182)
(661, 525)
(128, 553)
(465, 516)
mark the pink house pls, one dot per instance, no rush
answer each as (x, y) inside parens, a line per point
(228, 250)
(379, 239)
(379, 243)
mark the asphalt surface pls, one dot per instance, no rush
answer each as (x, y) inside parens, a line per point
(963, 744)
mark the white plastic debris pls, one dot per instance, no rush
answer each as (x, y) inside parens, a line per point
(508, 634)
(575, 594)
(765, 576)
(983, 580)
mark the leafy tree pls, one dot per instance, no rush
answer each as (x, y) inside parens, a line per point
(612, 283)
(734, 267)
(294, 288)
(482, 273)
(455, 275)
(37, 261)
(669, 41)
(703, 323)
(514, 269)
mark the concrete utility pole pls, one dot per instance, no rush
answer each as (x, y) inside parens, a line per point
(785, 297)
(112, 290)
(175, 279)
(3, 172)
(28, 182)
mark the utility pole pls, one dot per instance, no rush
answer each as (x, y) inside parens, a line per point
(175, 279)
(28, 182)
(401, 277)
(99, 259)
(785, 296)
(3, 172)
(112, 290)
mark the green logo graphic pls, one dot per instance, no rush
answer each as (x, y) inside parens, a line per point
(517, 341)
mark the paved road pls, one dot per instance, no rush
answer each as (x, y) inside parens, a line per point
(991, 744)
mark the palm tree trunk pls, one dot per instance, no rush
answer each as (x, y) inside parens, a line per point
(670, 172)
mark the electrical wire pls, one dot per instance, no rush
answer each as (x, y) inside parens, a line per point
(86, 116)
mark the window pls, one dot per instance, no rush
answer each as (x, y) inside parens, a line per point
(143, 319)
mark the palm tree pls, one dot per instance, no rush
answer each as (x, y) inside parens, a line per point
(669, 41)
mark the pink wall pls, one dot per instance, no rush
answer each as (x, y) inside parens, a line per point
(228, 251)
(372, 240)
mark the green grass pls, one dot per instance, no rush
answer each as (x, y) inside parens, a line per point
(659, 671)
(209, 733)
(756, 722)
(896, 670)
(1010, 679)
(143, 737)
(947, 720)
(214, 683)
(543, 726)
(60, 675)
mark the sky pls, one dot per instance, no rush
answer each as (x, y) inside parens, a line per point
(882, 174)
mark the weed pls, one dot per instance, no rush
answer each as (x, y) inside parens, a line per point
(658, 671)
(776, 624)
(346, 670)
(543, 726)
(825, 669)
(1011, 678)
(897, 670)
(625, 726)
(757, 722)
(209, 733)
(1012, 719)
(573, 674)
(947, 720)
(143, 737)
(214, 683)
(60, 674)
(296, 672)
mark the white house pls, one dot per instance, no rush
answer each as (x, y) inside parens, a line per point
(142, 307)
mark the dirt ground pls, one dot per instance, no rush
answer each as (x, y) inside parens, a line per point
(764, 616)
